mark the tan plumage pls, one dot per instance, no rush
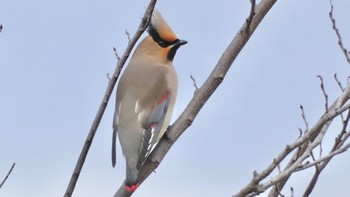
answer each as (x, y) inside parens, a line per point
(146, 96)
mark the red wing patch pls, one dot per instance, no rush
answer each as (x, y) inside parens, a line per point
(164, 97)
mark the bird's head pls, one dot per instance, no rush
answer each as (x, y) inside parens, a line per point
(163, 36)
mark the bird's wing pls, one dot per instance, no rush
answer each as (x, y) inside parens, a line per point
(152, 126)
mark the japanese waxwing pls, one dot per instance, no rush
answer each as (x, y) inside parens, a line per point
(146, 96)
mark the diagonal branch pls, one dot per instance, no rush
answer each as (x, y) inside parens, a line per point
(142, 27)
(338, 148)
(8, 174)
(202, 94)
(303, 145)
(336, 109)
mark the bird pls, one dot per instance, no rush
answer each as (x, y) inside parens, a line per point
(145, 97)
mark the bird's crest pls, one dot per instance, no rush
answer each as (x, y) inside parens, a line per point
(159, 29)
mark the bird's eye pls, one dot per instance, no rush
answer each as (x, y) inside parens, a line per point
(162, 44)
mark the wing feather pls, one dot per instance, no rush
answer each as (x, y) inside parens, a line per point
(152, 127)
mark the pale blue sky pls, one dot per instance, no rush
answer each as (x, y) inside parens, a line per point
(54, 57)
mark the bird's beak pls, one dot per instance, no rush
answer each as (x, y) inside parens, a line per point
(181, 42)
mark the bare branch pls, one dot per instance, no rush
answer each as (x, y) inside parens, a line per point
(128, 35)
(338, 82)
(300, 132)
(142, 27)
(324, 92)
(323, 163)
(312, 156)
(304, 118)
(280, 194)
(108, 77)
(116, 53)
(194, 82)
(328, 156)
(306, 143)
(340, 41)
(8, 174)
(278, 166)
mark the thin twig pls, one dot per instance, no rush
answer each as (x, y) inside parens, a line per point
(324, 92)
(342, 89)
(306, 144)
(304, 119)
(339, 141)
(279, 193)
(128, 35)
(142, 27)
(8, 174)
(116, 53)
(278, 166)
(343, 135)
(300, 132)
(335, 28)
(326, 157)
(338, 82)
(194, 82)
(312, 156)
(108, 77)
(340, 103)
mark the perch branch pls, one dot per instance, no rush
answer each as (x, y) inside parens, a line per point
(202, 95)
(142, 27)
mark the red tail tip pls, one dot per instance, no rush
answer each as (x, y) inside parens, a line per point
(131, 188)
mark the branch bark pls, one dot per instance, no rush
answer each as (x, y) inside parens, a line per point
(203, 93)
(336, 109)
(303, 146)
(321, 163)
(142, 27)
